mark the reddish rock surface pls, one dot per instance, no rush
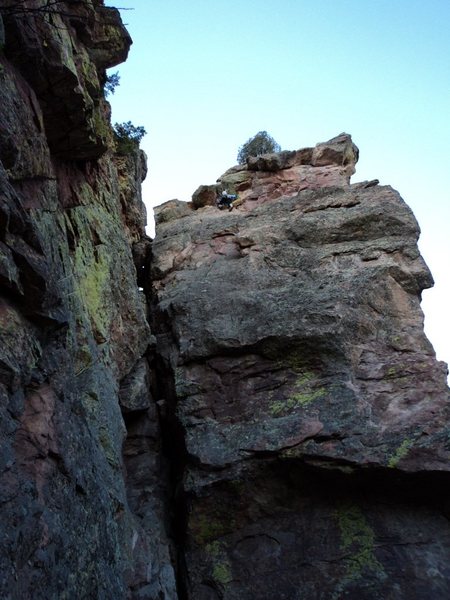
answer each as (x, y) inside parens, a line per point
(312, 409)
(280, 432)
(285, 173)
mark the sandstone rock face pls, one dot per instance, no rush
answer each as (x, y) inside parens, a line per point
(309, 406)
(279, 432)
(286, 173)
(77, 517)
(63, 55)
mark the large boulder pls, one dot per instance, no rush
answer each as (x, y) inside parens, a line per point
(340, 151)
(172, 209)
(205, 195)
(312, 411)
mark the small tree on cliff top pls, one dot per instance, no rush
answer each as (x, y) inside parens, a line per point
(261, 143)
(128, 136)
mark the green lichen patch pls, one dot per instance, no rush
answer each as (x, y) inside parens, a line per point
(305, 378)
(206, 527)
(221, 568)
(358, 545)
(213, 549)
(392, 372)
(279, 407)
(399, 372)
(101, 126)
(400, 452)
(93, 285)
(305, 398)
(306, 390)
(222, 573)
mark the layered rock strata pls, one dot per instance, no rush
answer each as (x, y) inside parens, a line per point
(313, 414)
(82, 483)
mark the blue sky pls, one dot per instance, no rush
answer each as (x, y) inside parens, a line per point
(204, 76)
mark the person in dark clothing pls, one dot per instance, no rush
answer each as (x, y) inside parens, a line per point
(225, 200)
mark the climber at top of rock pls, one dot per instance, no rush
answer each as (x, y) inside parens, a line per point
(226, 200)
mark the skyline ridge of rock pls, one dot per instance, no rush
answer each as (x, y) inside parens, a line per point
(292, 332)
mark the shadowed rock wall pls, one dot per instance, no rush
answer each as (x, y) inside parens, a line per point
(78, 519)
(281, 431)
(314, 415)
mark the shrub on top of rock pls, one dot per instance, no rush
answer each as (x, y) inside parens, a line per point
(261, 143)
(127, 137)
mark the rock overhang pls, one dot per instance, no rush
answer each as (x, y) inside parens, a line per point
(332, 273)
(309, 401)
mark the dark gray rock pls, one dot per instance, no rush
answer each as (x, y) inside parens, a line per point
(2, 34)
(64, 60)
(313, 412)
(83, 488)
(134, 391)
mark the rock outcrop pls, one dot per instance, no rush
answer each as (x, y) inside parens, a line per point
(285, 173)
(78, 519)
(312, 411)
(246, 408)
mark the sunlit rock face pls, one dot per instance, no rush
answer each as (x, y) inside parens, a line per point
(82, 483)
(308, 403)
(286, 173)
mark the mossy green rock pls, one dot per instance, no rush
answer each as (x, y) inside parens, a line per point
(73, 326)
(63, 58)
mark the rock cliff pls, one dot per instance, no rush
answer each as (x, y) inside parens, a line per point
(82, 480)
(313, 413)
(247, 408)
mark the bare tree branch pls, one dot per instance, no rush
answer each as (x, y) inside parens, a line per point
(18, 8)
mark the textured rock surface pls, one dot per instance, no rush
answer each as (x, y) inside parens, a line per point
(78, 520)
(281, 431)
(286, 173)
(313, 413)
(63, 54)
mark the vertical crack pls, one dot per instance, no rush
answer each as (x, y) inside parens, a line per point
(174, 449)
(154, 457)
